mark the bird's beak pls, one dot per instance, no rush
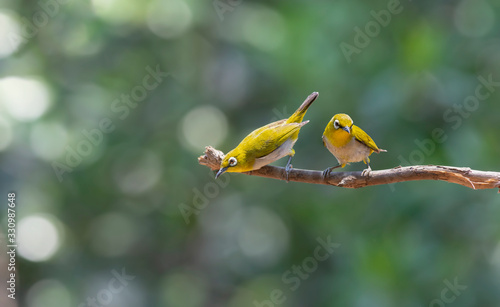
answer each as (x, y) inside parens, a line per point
(220, 172)
(347, 129)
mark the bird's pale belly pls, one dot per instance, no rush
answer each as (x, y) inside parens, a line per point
(353, 151)
(277, 154)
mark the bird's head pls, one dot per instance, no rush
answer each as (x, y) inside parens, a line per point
(233, 162)
(342, 121)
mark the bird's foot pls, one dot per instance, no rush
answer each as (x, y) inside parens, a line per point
(366, 172)
(289, 165)
(326, 172)
(288, 168)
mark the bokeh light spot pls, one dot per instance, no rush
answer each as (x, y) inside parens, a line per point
(137, 172)
(10, 35)
(169, 18)
(49, 292)
(203, 126)
(119, 11)
(38, 238)
(263, 27)
(262, 236)
(48, 140)
(102, 7)
(25, 99)
(474, 18)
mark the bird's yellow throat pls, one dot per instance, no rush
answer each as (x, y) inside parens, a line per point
(337, 137)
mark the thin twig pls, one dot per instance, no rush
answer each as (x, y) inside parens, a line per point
(460, 175)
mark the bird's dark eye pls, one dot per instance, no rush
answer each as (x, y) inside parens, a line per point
(336, 124)
(232, 161)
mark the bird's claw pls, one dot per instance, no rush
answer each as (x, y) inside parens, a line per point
(326, 172)
(288, 168)
(366, 172)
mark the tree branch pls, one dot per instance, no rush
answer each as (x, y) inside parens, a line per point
(459, 175)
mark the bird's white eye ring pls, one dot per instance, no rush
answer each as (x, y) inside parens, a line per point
(233, 161)
(336, 124)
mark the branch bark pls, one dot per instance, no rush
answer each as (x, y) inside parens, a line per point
(460, 175)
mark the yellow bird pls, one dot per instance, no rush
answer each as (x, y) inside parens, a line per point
(348, 143)
(267, 144)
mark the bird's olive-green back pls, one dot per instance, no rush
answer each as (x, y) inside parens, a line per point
(265, 140)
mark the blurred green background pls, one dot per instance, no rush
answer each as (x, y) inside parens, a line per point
(106, 105)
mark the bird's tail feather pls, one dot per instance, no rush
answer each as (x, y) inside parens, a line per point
(301, 111)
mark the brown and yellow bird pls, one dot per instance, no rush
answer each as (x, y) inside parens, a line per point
(348, 143)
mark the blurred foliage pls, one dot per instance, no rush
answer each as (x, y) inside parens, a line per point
(233, 66)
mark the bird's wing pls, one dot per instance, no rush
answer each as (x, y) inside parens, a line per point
(364, 138)
(258, 131)
(266, 139)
